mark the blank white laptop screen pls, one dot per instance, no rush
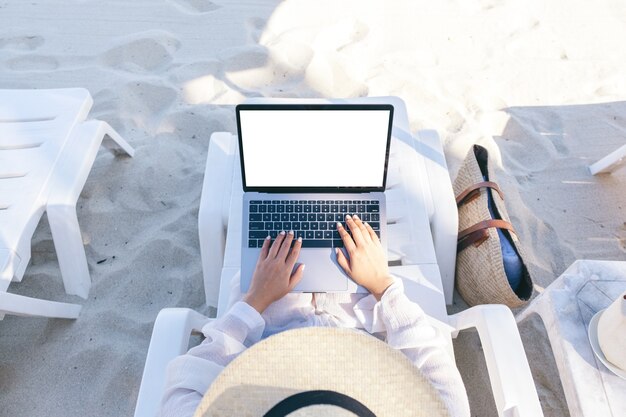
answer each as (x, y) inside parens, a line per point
(314, 148)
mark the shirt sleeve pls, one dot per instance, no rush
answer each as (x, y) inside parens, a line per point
(409, 330)
(189, 376)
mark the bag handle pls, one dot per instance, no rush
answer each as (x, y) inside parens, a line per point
(473, 191)
(477, 234)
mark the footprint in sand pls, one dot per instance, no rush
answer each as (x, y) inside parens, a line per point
(22, 43)
(105, 101)
(146, 54)
(32, 63)
(196, 126)
(621, 236)
(196, 6)
(319, 63)
(536, 136)
(489, 4)
(244, 58)
(151, 97)
(194, 70)
(256, 27)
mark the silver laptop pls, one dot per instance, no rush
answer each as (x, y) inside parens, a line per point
(304, 167)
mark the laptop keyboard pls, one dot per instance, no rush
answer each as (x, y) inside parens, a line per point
(313, 220)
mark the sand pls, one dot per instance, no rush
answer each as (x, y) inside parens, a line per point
(539, 84)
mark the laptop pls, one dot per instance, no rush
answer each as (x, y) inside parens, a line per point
(304, 167)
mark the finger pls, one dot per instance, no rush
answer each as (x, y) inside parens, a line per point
(276, 245)
(284, 248)
(265, 248)
(372, 233)
(295, 253)
(348, 243)
(356, 231)
(361, 226)
(343, 261)
(296, 277)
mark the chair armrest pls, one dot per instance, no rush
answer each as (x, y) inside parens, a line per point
(511, 380)
(443, 212)
(214, 205)
(170, 338)
(77, 157)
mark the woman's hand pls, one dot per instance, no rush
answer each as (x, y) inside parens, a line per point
(272, 278)
(366, 263)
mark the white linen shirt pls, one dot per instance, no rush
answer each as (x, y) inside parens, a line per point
(405, 323)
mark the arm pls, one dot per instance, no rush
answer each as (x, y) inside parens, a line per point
(407, 326)
(189, 376)
(409, 331)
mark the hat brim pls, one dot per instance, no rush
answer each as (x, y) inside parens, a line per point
(344, 361)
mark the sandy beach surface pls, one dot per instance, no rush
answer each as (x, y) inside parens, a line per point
(540, 84)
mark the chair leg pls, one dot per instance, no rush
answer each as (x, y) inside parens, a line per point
(512, 382)
(170, 338)
(610, 162)
(69, 247)
(116, 144)
(20, 305)
(67, 183)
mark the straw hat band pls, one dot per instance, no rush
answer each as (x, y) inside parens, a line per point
(473, 191)
(308, 398)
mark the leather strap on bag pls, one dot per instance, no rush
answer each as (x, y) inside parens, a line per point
(477, 234)
(473, 191)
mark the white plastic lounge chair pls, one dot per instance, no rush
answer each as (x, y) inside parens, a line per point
(509, 373)
(566, 308)
(610, 162)
(46, 153)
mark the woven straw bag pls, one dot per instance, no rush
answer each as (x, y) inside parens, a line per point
(480, 274)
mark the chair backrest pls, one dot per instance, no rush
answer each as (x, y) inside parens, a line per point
(34, 127)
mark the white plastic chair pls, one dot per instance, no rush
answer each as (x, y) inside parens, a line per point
(509, 373)
(46, 153)
(511, 380)
(566, 307)
(609, 163)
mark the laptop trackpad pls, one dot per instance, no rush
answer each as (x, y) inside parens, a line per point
(322, 272)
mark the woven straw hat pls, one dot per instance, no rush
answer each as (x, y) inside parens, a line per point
(480, 275)
(319, 371)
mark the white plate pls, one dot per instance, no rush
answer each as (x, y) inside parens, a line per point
(595, 345)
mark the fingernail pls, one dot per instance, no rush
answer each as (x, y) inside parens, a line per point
(282, 232)
(339, 224)
(303, 266)
(356, 217)
(347, 216)
(291, 232)
(336, 250)
(268, 237)
(300, 239)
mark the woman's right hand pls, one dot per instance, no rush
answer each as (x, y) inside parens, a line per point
(366, 263)
(274, 275)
